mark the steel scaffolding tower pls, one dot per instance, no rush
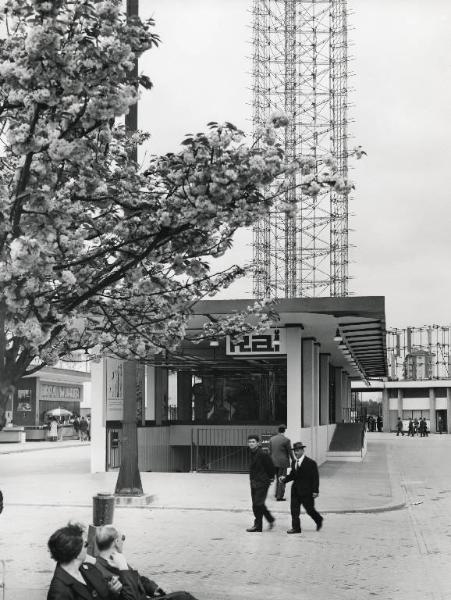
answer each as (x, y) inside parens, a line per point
(300, 69)
(429, 346)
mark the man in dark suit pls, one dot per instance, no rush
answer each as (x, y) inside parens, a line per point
(281, 453)
(305, 477)
(261, 474)
(110, 543)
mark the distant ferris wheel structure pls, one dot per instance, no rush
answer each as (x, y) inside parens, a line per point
(300, 68)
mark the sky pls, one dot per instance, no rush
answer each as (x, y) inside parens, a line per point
(400, 213)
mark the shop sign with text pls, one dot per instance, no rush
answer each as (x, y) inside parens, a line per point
(272, 341)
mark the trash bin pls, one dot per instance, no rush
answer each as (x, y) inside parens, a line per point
(102, 509)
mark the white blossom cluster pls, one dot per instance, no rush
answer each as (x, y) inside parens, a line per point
(95, 252)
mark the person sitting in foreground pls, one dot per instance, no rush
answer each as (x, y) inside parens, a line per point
(110, 541)
(75, 579)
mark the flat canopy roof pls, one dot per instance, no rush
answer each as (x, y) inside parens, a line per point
(359, 320)
(57, 375)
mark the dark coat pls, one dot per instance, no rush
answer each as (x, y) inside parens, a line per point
(65, 587)
(261, 469)
(280, 449)
(146, 587)
(306, 478)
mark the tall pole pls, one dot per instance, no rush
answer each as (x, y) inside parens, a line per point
(131, 118)
(129, 479)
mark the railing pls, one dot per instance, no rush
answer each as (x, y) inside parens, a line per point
(222, 450)
(211, 449)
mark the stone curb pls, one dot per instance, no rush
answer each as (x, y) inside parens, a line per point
(331, 511)
(62, 445)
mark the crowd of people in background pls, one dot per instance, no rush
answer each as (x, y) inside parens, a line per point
(414, 427)
(81, 427)
(374, 424)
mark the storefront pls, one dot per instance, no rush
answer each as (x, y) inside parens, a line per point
(47, 389)
(209, 396)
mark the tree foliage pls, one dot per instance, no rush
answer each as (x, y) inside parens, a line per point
(94, 251)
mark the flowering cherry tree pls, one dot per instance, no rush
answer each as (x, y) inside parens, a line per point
(94, 250)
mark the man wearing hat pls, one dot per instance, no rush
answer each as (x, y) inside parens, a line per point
(281, 453)
(305, 477)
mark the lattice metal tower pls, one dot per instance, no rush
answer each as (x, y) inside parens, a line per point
(300, 68)
(427, 349)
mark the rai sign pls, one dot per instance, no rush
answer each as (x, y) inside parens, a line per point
(272, 342)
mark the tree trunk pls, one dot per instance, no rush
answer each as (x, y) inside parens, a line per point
(129, 480)
(6, 387)
(4, 397)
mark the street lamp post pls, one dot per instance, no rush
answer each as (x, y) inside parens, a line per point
(131, 118)
(129, 479)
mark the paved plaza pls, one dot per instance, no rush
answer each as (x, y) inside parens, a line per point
(387, 529)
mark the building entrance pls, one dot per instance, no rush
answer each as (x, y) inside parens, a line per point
(441, 421)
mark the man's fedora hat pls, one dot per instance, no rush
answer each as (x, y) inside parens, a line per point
(298, 445)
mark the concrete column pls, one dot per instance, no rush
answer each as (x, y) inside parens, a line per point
(385, 410)
(324, 389)
(400, 399)
(308, 381)
(448, 408)
(161, 395)
(349, 397)
(316, 389)
(294, 382)
(338, 395)
(345, 399)
(184, 396)
(149, 393)
(98, 424)
(432, 405)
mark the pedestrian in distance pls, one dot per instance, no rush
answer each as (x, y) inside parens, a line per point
(60, 429)
(76, 579)
(410, 431)
(399, 427)
(110, 542)
(422, 427)
(416, 424)
(281, 454)
(305, 488)
(53, 427)
(76, 426)
(83, 429)
(379, 424)
(261, 474)
(440, 425)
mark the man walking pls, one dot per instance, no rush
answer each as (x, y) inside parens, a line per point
(83, 429)
(399, 427)
(281, 453)
(261, 473)
(305, 477)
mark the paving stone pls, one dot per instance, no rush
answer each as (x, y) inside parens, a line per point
(192, 541)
